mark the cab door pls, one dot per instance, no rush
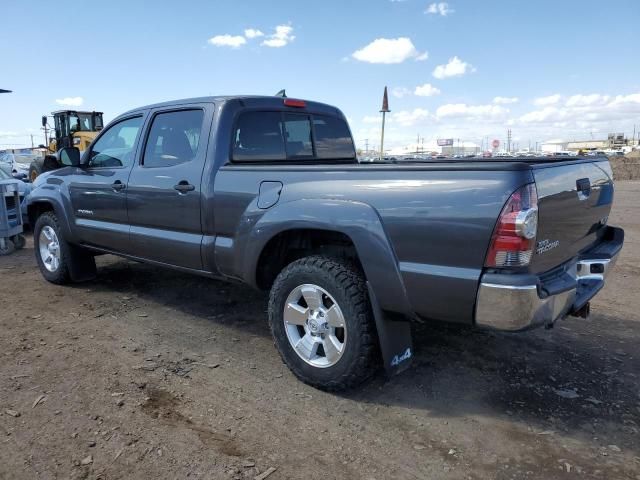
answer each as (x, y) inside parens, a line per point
(164, 196)
(98, 190)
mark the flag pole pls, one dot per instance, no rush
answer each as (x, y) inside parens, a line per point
(384, 110)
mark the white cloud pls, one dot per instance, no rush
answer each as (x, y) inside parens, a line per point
(439, 8)
(550, 100)
(70, 101)
(543, 115)
(253, 33)
(505, 100)
(400, 92)
(389, 51)
(422, 57)
(586, 100)
(477, 112)
(426, 90)
(281, 37)
(586, 111)
(454, 68)
(371, 119)
(577, 116)
(226, 40)
(408, 118)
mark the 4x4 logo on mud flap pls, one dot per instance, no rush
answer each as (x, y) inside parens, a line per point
(398, 359)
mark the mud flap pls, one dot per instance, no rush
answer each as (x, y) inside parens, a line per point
(396, 341)
(82, 265)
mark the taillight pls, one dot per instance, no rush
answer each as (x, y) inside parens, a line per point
(513, 238)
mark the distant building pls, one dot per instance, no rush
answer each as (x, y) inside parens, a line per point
(614, 141)
(588, 145)
(553, 147)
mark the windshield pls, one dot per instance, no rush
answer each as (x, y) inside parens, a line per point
(4, 175)
(80, 122)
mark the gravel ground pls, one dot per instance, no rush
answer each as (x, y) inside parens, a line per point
(145, 373)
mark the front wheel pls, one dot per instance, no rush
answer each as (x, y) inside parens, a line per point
(322, 323)
(34, 170)
(59, 261)
(7, 247)
(19, 241)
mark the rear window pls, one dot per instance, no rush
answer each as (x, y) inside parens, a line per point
(279, 136)
(332, 139)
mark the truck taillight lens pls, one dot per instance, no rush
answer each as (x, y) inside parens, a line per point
(514, 237)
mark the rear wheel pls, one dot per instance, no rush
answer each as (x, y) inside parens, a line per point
(322, 323)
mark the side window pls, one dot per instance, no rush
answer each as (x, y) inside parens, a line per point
(115, 148)
(173, 139)
(332, 138)
(297, 131)
(258, 136)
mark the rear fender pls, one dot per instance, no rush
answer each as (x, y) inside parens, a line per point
(361, 223)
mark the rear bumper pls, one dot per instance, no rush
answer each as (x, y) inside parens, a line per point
(520, 302)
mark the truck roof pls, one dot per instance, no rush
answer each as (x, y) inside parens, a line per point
(249, 100)
(75, 111)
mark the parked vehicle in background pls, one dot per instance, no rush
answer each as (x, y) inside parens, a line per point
(18, 163)
(268, 191)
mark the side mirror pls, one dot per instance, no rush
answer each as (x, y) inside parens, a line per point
(44, 120)
(70, 156)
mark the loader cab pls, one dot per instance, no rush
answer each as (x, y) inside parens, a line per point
(75, 129)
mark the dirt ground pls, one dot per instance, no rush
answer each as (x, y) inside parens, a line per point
(627, 167)
(151, 374)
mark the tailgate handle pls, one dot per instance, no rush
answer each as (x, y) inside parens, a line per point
(584, 188)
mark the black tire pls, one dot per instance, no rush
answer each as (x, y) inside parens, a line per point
(19, 241)
(360, 358)
(35, 169)
(8, 248)
(75, 263)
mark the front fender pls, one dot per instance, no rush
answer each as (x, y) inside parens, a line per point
(49, 192)
(359, 221)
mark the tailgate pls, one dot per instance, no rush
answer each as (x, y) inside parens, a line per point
(574, 201)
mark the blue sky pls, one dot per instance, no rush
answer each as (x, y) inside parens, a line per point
(561, 69)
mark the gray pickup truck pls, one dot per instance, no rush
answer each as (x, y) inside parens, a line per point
(268, 191)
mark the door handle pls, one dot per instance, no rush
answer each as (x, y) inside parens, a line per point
(184, 187)
(118, 186)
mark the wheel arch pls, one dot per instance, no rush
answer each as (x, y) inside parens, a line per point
(358, 229)
(40, 205)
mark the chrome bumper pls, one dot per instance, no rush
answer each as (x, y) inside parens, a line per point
(521, 307)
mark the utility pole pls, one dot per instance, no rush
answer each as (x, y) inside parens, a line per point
(509, 140)
(366, 145)
(32, 140)
(384, 111)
